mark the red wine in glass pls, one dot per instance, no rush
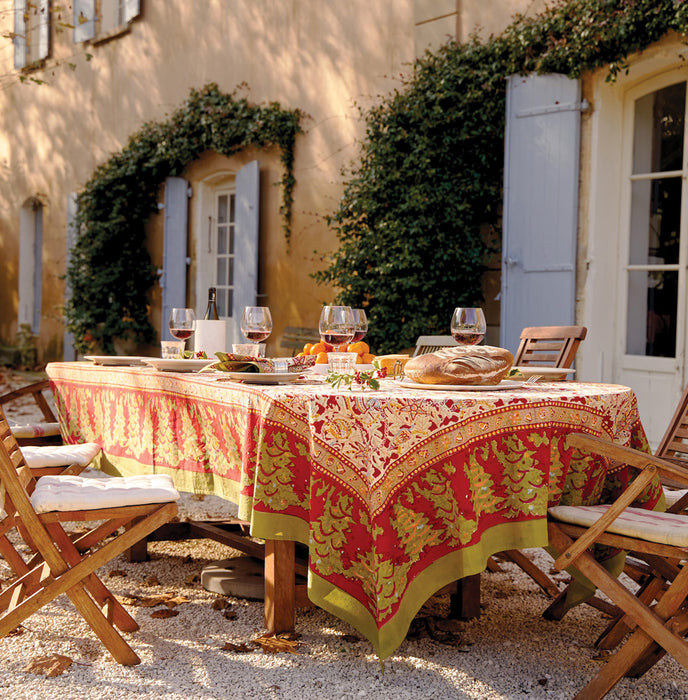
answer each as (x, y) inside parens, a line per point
(256, 336)
(360, 324)
(336, 338)
(181, 333)
(359, 335)
(467, 337)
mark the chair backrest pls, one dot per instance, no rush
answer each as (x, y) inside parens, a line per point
(432, 343)
(674, 443)
(549, 346)
(35, 391)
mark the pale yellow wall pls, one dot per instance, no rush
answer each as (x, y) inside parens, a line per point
(324, 58)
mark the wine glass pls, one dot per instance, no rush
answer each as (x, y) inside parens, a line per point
(336, 325)
(182, 323)
(468, 325)
(256, 323)
(360, 324)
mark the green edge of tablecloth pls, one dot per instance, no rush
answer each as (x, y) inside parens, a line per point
(385, 640)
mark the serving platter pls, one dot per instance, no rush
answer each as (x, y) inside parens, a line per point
(173, 365)
(504, 384)
(263, 377)
(115, 360)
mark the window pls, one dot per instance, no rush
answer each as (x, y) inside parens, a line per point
(224, 247)
(31, 32)
(98, 19)
(30, 264)
(655, 232)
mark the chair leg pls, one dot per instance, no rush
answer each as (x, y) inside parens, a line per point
(539, 576)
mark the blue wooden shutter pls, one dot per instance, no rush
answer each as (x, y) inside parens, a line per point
(69, 352)
(173, 278)
(245, 243)
(84, 20)
(540, 219)
(20, 29)
(131, 9)
(43, 33)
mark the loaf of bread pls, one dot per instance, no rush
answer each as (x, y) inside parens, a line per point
(464, 364)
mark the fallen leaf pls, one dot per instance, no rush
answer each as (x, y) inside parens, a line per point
(177, 600)
(220, 604)
(117, 572)
(602, 655)
(16, 631)
(198, 497)
(192, 578)
(229, 615)
(164, 613)
(273, 644)
(351, 638)
(50, 666)
(152, 581)
(239, 648)
(127, 599)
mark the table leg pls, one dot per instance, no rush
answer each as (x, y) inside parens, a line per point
(139, 550)
(465, 603)
(280, 594)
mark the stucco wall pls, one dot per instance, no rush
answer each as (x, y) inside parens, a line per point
(327, 59)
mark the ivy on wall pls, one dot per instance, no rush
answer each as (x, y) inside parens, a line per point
(414, 220)
(110, 271)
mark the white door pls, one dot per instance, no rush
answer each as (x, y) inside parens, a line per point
(540, 204)
(650, 344)
(227, 245)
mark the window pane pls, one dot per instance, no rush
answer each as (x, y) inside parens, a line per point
(658, 130)
(221, 298)
(655, 221)
(222, 272)
(230, 301)
(652, 301)
(222, 240)
(231, 241)
(222, 209)
(230, 271)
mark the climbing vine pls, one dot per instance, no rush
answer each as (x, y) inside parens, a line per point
(423, 202)
(110, 273)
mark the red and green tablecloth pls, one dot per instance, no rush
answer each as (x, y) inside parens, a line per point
(395, 492)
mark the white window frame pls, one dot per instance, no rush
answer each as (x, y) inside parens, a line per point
(31, 36)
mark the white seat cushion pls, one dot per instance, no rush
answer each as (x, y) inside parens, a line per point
(37, 456)
(34, 430)
(663, 528)
(67, 493)
(673, 495)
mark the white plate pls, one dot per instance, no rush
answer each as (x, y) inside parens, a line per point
(172, 365)
(322, 369)
(114, 360)
(504, 384)
(262, 377)
(551, 373)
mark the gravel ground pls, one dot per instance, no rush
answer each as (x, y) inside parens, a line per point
(510, 652)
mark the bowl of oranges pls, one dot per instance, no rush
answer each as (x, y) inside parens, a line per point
(364, 358)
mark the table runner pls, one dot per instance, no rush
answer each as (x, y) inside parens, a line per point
(396, 493)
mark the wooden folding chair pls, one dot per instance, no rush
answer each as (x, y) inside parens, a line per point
(46, 432)
(36, 509)
(656, 617)
(549, 346)
(432, 343)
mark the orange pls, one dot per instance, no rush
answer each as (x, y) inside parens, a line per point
(360, 347)
(359, 359)
(306, 349)
(317, 347)
(367, 358)
(321, 358)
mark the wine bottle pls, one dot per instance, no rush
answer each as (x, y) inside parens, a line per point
(211, 309)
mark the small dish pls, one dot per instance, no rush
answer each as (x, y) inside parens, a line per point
(169, 365)
(548, 374)
(115, 360)
(263, 377)
(322, 369)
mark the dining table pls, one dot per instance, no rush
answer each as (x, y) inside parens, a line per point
(394, 492)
